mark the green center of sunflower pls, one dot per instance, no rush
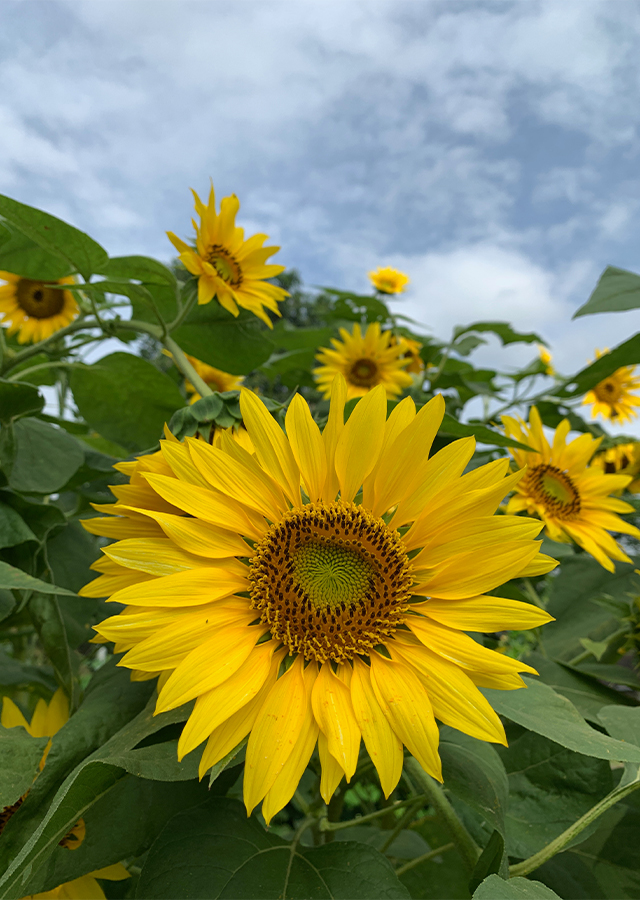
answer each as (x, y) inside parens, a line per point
(331, 581)
(38, 299)
(364, 373)
(554, 490)
(225, 264)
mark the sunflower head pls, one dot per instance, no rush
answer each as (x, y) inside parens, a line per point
(412, 350)
(35, 309)
(364, 361)
(388, 280)
(613, 398)
(228, 267)
(315, 592)
(621, 459)
(572, 498)
(216, 379)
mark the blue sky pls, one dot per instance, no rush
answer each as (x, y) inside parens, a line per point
(489, 149)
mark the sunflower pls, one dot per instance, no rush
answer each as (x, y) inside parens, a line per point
(318, 591)
(35, 309)
(621, 459)
(545, 359)
(612, 398)
(227, 266)
(572, 498)
(365, 361)
(388, 280)
(215, 378)
(412, 353)
(47, 720)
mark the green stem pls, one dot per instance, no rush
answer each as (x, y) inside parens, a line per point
(557, 845)
(424, 858)
(48, 365)
(403, 821)
(587, 653)
(183, 312)
(326, 825)
(467, 847)
(181, 361)
(18, 358)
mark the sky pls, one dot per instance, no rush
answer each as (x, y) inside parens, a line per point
(488, 149)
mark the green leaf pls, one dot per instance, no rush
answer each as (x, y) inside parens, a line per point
(64, 241)
(7, 604)
(570, 876)
(215, 851)
(13, 529)
(503, 330)
(614, 674)
(47, 619)
(494, 888)
(482, 434)
(14, 673)
(126, 399)
(622, 722)
(541, 710)
(18, 398)
(140, 268)
(22, 256)
(613, 852)
(44, 457)
(489, 862)
(20, 756)
(616, 291)
(550, 788)
(16, 580)
(625, 354)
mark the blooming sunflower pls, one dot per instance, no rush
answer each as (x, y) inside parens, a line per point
(35, 309)
(318, 591)
(412, 353)
(388, 280)
(545, 359)
(365, 361)
(572, 498)
(215, 378)
(621, 459)
(612, 398)
(229, 267)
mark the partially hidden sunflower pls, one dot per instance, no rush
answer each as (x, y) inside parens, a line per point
(364, 361)
(317, 592)
(46, 721)
(227, 266)
(412, 350)
(571, 497)
(35, 309)
(621, 459)
(613, 397)
(388, 280)
(215, 378)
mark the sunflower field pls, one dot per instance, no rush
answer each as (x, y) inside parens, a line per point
(297, 601)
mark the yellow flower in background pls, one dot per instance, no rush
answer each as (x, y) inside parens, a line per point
(621, 459)
(612, 398)
(412, 350)
(545, 359)
(84, 888)
(572, 498)
(35, 309)
(216, 379)
(364, 361)
(227, 266)
(317, 591)
(388, 280)
(47, 718)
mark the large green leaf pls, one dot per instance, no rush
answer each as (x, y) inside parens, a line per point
(503, 330)
(18, 398)
(540, 709)
(126, 399)
(616, 290)
(20, 756)
(44, 457)
(22, 256)
(613, 853)
(494, 888)
(14, 579)
(140, 268)
(14, 673)
(13, 529)
(550, 788)
(47, 619)
(215, 851)
(64, 241)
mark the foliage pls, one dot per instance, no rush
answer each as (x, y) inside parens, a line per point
(555, 810)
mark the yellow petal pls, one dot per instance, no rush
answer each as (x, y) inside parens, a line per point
(485, 613)
(191, 588)
(179, 461)
(401, 415)
(443, 467)
(200, 538)
(12, 717)
(381, 741)
(271, 444)
(156, 556)
(470, 574)
(405, 703)
(331, 434)
(306, 446)
(332, 707)
(359, 445)
(119, 527)
(332, 773)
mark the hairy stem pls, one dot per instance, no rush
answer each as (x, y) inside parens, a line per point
(469, 851)
(535, 861)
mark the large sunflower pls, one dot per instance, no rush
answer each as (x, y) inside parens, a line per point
(229, 267)
(35, 309)
(318, 591)
(572, 498)
(388, 280)
(612, 398)
(364, 361)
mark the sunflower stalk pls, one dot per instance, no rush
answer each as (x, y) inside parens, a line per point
(559, 843)
(467, 847)
(326, 825)
(16, 359)
(424, 858)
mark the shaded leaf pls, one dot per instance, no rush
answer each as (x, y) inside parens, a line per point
(18, 398)
(20, 756)
(494, 888)
(489, 862)
(17, 580)
(44, 457)
(13, 529)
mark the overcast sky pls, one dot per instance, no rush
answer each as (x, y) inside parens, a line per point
(488, 149)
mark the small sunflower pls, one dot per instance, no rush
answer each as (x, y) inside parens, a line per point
(572, 498)
(215, 378)
(412, 353)
(229, 267)
(545, 359)
(621, 459)
(388, 280)
(612, 398)
(365, 361)
(35, 309)
(317, 591)
(84, 888)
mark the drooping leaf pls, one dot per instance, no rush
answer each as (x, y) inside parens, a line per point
(495, 888)
(17, 580)
(502, 330)
(22, 256)
(44, 457)
(140, 268)
(64, 241)
(18, 399)
(617, 290)
(13, 529)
